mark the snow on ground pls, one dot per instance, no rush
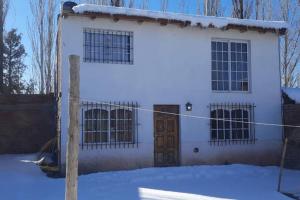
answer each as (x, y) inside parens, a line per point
(205, 21)
(24, 180)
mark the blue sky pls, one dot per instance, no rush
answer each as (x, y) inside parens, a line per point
(19, 14)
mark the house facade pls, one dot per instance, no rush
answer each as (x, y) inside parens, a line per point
(162, 89)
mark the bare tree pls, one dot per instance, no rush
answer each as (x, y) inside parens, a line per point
(144, 4)
(248, 6)
(131, 4)
(117, 3)
(198, 7)
(242, 9)
(298, 76)
(263, 9)
(258, 4)
(41, 33)
(4, 5)
(267, 10)
(238, 9)
(212, 7)
(164, 4)
(98, 2)
(102, 2)
(205, 7)
(182, 6)
(290, 44)
(49, 48)
(37, 37)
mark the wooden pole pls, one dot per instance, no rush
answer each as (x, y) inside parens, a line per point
(282, 163)
(73, 137)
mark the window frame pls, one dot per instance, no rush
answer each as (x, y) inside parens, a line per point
(108, 56)
(117, 122)
(109, 107)
(229, 41)
(95, 119)
(230, 108)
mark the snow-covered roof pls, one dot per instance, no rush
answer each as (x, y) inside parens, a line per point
(193, 20)
(293, 93)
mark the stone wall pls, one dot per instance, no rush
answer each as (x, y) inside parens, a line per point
(27, 122)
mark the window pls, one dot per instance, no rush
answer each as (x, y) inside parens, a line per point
(106, 46)
(220, 128)
(96, 126)
(231, 122)
(230, 66)
(220, 69)
(109, 124)
(121, 125)
(240, 124)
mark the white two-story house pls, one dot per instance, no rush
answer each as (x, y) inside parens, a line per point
(167, 89)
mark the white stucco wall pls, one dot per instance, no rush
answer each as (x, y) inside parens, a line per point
(172, 65)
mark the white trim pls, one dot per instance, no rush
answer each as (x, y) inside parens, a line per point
(109, 130)
(229, 41)
(230, 109)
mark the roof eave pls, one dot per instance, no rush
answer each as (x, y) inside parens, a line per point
(181, 23)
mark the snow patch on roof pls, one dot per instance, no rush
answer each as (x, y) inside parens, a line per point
(293, 93)
(205, 21)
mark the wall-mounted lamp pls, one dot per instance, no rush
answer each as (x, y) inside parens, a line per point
(188, 106)
(196, 150)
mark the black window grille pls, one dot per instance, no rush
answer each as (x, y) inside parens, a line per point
(230, 66)
(232, 123)
(108, 46)
(107, 125)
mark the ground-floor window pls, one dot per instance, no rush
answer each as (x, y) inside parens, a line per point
(232, 123)
(109, 124)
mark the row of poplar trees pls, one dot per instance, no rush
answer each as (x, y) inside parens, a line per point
(42, 33)
(12, 55)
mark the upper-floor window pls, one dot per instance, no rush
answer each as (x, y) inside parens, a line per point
(230, 65)
(107, 46)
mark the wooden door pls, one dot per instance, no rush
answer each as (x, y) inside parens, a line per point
(166, 135)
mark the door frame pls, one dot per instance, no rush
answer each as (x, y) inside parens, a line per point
(178, 163)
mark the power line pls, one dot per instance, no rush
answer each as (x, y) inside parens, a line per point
(190, 116)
